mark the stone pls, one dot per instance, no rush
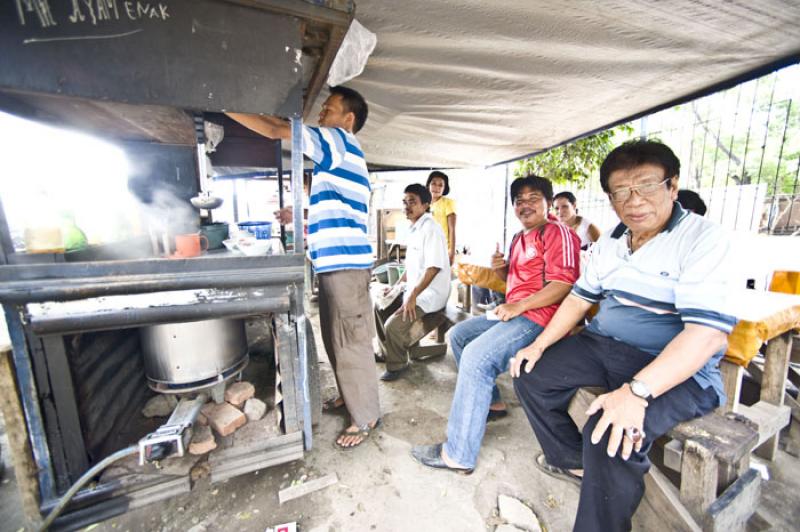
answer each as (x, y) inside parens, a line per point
(201, 419)
(225, 418)
(201, 470)
(514, 512)
(255, 409)
(161, 405)
(508, 528)
(202, 441)
(239, 392)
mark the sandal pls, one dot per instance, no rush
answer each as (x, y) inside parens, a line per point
(557, 472)
(330, 405)
(364, 432)
(494, 415)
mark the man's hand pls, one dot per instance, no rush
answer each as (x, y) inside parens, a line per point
(284, 216)
(527, 356)
(508, 311)
(409, 308)
(621, 410)
(498, 261)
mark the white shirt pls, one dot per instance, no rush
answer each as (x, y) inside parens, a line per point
(426, 248)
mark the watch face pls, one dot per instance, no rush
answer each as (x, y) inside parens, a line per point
(639, 388)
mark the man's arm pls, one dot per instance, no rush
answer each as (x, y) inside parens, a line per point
(269, 126)
(499, 264)
(409, 305)
(451, 231)
(681, 358)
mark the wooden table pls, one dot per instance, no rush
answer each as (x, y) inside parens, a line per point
(771, 318)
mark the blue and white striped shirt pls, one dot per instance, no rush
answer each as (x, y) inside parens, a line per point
(338, 205)
(679, 276)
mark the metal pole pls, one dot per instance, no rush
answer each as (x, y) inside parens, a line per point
(763, 151)
(299, 248)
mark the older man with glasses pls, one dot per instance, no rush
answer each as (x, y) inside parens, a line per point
(660, 278)
(540, 270)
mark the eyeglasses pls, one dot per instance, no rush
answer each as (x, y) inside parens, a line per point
(531, 199)
(646, 189)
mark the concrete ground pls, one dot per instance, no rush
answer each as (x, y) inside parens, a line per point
(381, 488)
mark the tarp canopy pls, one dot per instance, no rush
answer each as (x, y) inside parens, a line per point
(455, 83)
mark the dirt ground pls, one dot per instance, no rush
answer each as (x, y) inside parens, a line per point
(381, 488)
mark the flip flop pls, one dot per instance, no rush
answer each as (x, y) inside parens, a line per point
(557, 472)
(364, 432)
(330, 406)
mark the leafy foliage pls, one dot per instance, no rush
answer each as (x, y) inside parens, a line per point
(577, 161)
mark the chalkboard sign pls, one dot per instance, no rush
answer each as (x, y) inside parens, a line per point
(195, 54)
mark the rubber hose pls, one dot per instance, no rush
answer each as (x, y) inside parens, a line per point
(86, 477)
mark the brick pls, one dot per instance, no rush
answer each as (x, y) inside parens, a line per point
(254, 409)
(225, 418)
(201, 419)
(202, 441)
(239, 392)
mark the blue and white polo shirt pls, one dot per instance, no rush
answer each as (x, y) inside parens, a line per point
(679, 276)
(338, 204)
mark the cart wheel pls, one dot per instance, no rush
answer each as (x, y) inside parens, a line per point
(313, 374)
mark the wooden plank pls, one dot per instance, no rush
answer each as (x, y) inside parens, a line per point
(728, 437)
(734, 507)
(285, 352)
(732, 383)
(17, 431)
(664, 498)
(773, 383)
(294, 492)
(698, 478)
(66, 405)
(769, 419)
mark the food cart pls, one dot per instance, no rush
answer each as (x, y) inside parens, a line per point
(145, 75)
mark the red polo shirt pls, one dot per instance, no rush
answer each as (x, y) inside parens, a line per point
(549, 253)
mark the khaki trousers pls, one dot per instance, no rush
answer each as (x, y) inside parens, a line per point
(347, 327)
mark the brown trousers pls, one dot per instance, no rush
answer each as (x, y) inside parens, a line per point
(347, 326)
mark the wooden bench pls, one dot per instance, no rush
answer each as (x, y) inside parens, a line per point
(718, 491)
(421, 348)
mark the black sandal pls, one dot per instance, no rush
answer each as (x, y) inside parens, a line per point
(557, 472)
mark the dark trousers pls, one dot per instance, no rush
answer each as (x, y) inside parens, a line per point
(612, 487)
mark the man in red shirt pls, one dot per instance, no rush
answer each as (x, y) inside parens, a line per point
(539, 273)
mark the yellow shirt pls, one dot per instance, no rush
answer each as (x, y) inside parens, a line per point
(441, 210)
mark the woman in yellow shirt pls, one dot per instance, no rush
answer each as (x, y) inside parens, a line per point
(443, 209)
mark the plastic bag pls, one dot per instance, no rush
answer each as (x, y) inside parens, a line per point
(351, 59)
(474, 275)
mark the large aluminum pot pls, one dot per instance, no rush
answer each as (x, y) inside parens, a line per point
(179, 357)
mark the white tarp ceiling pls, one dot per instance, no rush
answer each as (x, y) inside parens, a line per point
(472, 83)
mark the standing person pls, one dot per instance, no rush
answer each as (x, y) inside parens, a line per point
(427, 278)
(339, 249)
(660, 278)
(539, 273)
(567, 211)
(443, 209)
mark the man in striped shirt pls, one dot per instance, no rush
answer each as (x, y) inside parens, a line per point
(539, 273)
(660, 278)
(339, 250)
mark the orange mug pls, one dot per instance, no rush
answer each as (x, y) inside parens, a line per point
(190, 245)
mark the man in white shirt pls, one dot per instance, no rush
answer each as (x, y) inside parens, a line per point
(427, 279)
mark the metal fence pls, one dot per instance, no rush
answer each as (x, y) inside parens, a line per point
(739, 149)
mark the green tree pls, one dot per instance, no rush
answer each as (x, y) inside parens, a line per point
(575, 162)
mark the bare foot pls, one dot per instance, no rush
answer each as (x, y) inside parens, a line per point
(577, 472)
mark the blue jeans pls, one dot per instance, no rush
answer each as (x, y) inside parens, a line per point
(482, 349)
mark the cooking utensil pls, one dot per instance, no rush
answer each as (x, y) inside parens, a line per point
(215, 233)
(205, 200)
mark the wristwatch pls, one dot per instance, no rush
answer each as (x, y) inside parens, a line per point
(640, 389)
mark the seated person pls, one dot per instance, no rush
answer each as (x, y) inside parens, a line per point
(655, 343)
(427, 279)
(691, 201)
(542, 266)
